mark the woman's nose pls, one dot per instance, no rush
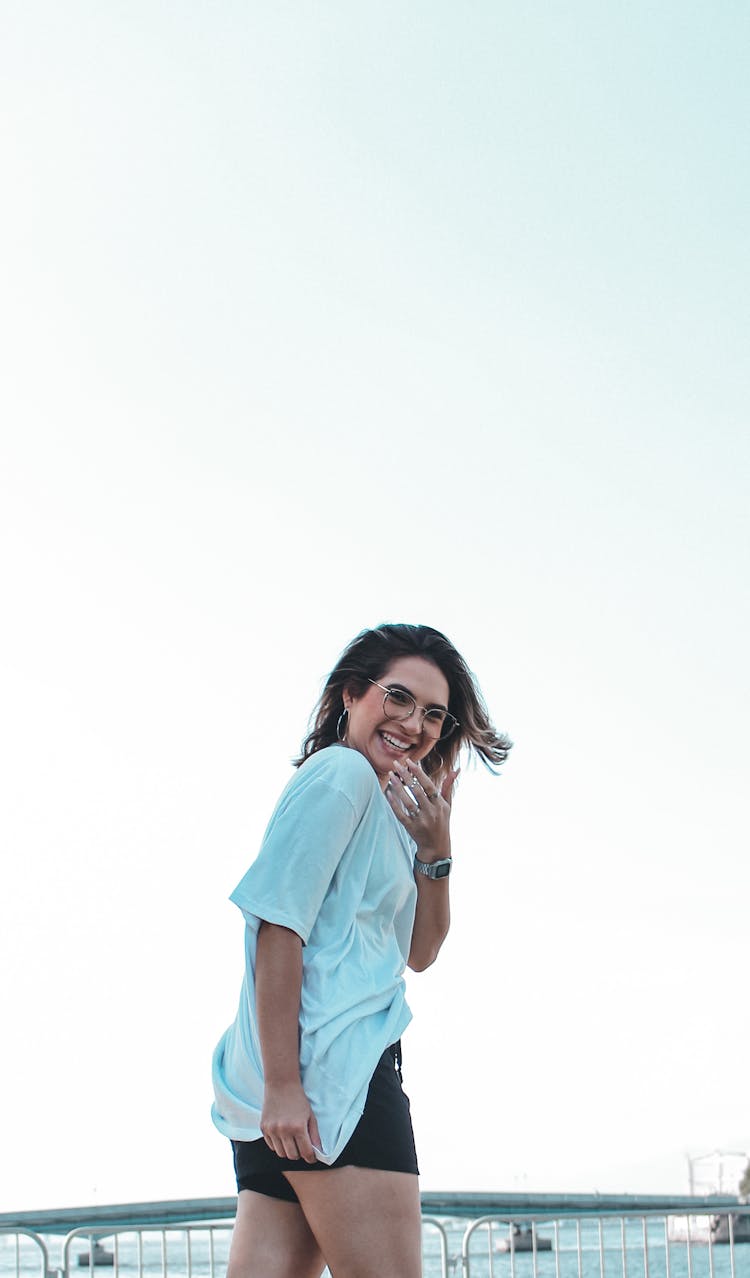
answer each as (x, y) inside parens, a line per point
(415, 719)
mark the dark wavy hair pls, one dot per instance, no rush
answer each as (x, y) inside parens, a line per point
(369, 656)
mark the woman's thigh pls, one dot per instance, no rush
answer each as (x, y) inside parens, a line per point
(272, 1239)
(368, 1223)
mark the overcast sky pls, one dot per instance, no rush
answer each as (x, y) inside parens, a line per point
(318, 315)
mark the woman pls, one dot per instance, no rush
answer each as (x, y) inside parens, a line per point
(350, 885)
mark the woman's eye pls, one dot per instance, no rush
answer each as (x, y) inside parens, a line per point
(399, 698)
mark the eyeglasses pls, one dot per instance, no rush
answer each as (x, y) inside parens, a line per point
(398, 704)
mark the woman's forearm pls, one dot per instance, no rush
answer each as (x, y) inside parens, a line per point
(278, 986)
(287, 1121)
(423, 806)
(431, 922)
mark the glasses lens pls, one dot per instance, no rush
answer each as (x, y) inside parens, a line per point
(398, 704)
(434, 723)
(447, 726)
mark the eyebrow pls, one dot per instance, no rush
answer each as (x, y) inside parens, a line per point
(434, 705)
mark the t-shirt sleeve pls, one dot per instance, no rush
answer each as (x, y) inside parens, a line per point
(302, 848)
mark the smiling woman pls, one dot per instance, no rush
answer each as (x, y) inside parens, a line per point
(386, 727)
(367, 659)
(350, 886)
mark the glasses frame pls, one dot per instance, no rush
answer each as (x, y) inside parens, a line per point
(449, 718)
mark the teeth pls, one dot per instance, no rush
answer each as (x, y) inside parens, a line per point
(391, 741)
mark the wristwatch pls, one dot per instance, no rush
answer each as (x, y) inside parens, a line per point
(433, 869)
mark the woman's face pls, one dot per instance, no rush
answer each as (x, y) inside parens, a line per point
(380, 739)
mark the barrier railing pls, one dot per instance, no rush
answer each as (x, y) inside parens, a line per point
(23, 1254)
(523, 1237)
(187, 1251)
(600, 1245)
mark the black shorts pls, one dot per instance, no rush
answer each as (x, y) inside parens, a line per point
(383, 1139)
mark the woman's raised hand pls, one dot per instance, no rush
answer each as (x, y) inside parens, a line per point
(287, 1122)
(423, 807)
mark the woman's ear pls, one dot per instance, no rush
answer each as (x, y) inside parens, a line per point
(347, 699)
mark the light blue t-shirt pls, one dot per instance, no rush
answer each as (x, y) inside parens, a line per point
(335, 866)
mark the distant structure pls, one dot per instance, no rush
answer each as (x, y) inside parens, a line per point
(719, 1172)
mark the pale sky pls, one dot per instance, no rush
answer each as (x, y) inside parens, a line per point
(320, 315)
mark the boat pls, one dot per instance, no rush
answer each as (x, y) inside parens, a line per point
(523, 1240)
(740, 1228)
(96, 1255)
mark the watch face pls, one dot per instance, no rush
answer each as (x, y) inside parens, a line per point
(442, 870)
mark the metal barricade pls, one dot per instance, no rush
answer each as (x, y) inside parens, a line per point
(23, 1254)
(187, 1251)
(191, 1251)
(604, 1246)
(463, 1236)
(435, 1248)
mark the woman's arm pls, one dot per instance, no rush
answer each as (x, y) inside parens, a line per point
(287, 1122)
(429, 826)
(432, 919)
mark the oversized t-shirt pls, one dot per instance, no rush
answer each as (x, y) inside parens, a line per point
(336, 867)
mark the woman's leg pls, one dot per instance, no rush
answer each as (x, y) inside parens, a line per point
(272, 1239)
(368, 1223)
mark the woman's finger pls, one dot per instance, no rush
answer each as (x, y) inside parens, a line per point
(304, 1145)
(290, 1144)
(433, 790)
(314, 1133)
(446, 789)
(415, 782)
(400, 791)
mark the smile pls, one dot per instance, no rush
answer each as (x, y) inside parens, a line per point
(394, 743)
